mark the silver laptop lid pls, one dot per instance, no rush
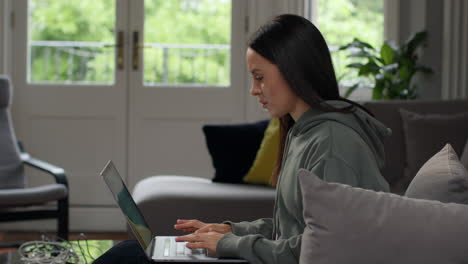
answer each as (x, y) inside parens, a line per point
(126, 203)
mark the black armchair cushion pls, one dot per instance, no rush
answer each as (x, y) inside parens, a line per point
(11, 168)
(233, 148)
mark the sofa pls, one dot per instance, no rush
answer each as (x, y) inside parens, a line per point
(165, 198)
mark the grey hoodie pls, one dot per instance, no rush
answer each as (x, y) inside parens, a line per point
(338, 147)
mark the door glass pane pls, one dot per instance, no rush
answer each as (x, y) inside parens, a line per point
(341, 21)
(71, 42)
(187, 42)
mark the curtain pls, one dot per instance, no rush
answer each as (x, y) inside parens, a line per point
(455, 50)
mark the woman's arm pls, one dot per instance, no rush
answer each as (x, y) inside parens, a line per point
(263, 226)
(334, 169)
(257, 249)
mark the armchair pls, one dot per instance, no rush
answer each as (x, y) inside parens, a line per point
(16, 198)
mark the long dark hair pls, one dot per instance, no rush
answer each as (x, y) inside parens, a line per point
(301, 54)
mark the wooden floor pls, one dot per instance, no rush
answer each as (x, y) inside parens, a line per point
(19, 237)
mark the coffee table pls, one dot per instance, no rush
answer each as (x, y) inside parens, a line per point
(95, 247)
(87, 249)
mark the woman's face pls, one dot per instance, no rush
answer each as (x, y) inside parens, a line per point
(268, 85)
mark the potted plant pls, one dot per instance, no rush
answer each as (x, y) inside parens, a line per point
(391, 68)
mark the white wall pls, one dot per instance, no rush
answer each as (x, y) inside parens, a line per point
(5, 37)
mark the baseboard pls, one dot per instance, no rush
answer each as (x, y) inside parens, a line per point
(81, 219)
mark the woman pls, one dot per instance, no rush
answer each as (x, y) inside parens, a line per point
(338, 140)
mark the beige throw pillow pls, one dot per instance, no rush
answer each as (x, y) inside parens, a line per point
(464, 156)
(442, 178)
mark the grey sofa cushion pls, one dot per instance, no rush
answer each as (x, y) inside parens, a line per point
(348, 225)
(427, 134)
(442, 178)
(164, 199)
(387, 111)
(464, 156)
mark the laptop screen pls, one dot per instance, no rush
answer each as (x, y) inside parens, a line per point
(126, 203)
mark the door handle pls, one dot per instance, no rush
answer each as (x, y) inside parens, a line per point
(136, 50)
(120, 50)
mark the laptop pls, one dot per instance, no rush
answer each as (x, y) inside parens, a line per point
(157, 248)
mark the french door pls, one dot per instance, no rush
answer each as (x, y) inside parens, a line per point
(127, 80)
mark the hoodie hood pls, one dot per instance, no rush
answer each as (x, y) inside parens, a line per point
(372, 131)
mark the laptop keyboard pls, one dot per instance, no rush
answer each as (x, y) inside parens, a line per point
(173, 249)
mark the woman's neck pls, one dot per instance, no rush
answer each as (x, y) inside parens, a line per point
(300, 108)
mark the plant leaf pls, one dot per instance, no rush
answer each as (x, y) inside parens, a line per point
(360, 54)
(377, 92)
(414, 41)
(387, 54)
(423, 69)
(354, 65)
(369, 68)
(351, 90)
(357, 43)
(365, 44)
(390, 68)
(404, 72)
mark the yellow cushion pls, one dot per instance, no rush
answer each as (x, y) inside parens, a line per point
(267, 154)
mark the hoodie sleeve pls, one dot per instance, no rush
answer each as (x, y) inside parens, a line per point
(256, 249)
(263, 227)
(334, 169)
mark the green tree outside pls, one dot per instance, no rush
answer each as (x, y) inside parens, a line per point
(186, 22)
(170, 22)
(341, 21)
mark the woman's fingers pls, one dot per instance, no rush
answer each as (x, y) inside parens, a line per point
(220, 228)
(190, 238)
(201, 240)
(195, 245)
(189, 230)
(189, 225)
(204, 229)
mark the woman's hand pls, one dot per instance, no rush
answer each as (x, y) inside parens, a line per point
(189, 225)
(200, 227)
(207, 240)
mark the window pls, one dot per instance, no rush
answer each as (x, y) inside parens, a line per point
(71, 42)
(187, 42)
(341, 21)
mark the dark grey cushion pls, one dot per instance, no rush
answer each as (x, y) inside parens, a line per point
(33, 195)
(442, 178)
(427, 134)
(387, 111)
(11, 168)
(348, 225)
